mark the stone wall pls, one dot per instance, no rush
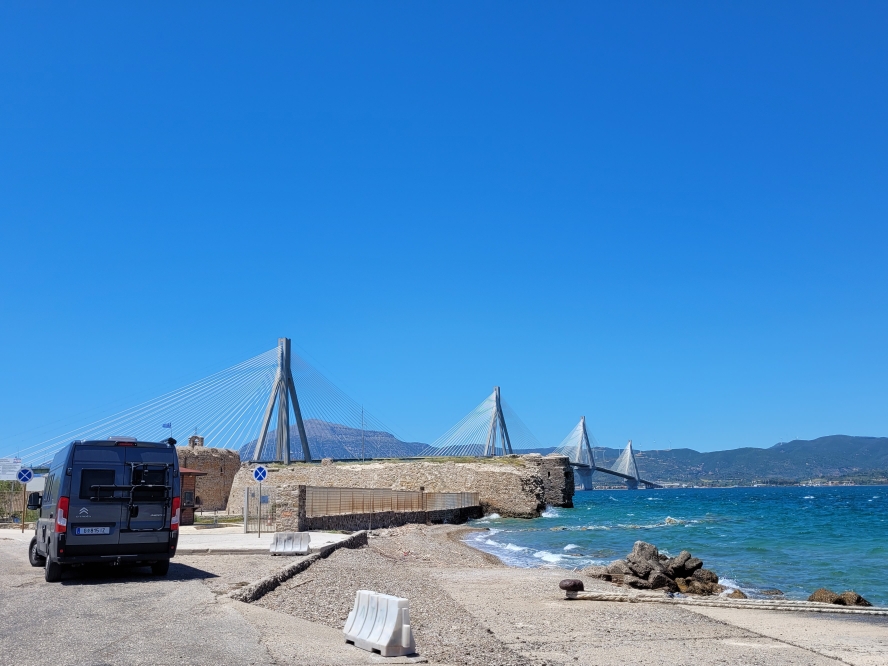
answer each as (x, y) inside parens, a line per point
(511, 486)
(362, 521)
(221, 466)
(558, 480)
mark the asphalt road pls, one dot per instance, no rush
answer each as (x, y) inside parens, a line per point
(109, 615)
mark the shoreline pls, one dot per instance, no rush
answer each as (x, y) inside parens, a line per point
(469, 607)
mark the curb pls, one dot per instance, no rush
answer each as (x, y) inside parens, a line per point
(222, 551)
(260, 588)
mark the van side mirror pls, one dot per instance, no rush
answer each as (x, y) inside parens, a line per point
(34, 501)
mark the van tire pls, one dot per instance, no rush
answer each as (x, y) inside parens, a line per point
(52, 571)
(160, 568)
(35, 558)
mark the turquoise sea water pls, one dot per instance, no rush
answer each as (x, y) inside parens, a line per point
(793, 539)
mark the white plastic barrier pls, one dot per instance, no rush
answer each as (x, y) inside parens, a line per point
(380, 623)
(289, 543)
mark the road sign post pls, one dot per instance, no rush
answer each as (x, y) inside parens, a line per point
(259, 474)
(24, 475)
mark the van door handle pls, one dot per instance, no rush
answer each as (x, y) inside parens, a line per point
(134, 511)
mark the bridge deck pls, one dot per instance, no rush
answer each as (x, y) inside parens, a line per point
(628, 477)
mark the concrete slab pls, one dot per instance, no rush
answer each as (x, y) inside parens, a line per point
(218, 541)
(858, 640)
(233, 540)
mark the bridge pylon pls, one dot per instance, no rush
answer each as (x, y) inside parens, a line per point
(497, 422)
(283, 392)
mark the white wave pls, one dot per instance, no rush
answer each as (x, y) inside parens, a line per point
(571, 546)
(613, 498)
(492, 516)
(546, 556)
(512, 546)
(550, 512)
(808, 497)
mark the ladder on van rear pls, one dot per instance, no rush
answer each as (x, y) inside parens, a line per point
(140, 493)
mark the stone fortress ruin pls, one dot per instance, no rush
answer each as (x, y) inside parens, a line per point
(220, 465)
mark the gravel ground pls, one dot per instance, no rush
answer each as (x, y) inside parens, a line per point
(401, 562)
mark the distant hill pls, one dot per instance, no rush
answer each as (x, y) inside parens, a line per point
(332, 440)
(831, 457)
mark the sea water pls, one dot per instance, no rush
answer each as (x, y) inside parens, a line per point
(794, 539)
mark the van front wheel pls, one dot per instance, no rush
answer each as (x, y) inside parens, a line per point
(35, 558)
(52, 571)
(160, 568)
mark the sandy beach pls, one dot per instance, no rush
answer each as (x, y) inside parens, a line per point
(468, 608)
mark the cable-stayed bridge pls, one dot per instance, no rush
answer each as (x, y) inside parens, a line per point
(577, 447)
(484, 432)
(278, 407)
(234, 407)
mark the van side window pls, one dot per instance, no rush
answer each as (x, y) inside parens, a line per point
(96, 477)
(47, 490)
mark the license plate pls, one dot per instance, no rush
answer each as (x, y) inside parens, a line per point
(92, 530)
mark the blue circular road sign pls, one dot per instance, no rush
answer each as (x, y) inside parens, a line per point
(24, 475)
(259, 473)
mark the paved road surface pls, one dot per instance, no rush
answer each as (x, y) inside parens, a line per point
(109, 615)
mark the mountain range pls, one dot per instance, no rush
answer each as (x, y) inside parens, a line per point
(832, 457)
(829, 458)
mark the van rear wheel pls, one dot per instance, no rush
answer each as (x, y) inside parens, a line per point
(35, 558)
(160, 568)
(52, 571)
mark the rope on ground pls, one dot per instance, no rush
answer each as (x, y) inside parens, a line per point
(758, 604)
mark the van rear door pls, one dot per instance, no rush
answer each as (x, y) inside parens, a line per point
(151, 471)
(95, 505)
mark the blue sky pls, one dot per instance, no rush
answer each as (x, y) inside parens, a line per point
(667, 217)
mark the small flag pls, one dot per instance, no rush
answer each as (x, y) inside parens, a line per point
(167, 425)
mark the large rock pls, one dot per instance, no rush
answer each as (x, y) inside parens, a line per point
(694, 586)
(691, 565)
(644, 558)
(595, 571)
(637, 583)
(705, 576)
(851, 598)
(823, 596)
(619, 567)
(643, 551)
(659, 580)
(639, 568)
(674, 566)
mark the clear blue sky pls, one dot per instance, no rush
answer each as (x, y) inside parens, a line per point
(668, 217)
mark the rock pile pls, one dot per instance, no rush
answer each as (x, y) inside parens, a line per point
(848, 598)
(646, 569)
